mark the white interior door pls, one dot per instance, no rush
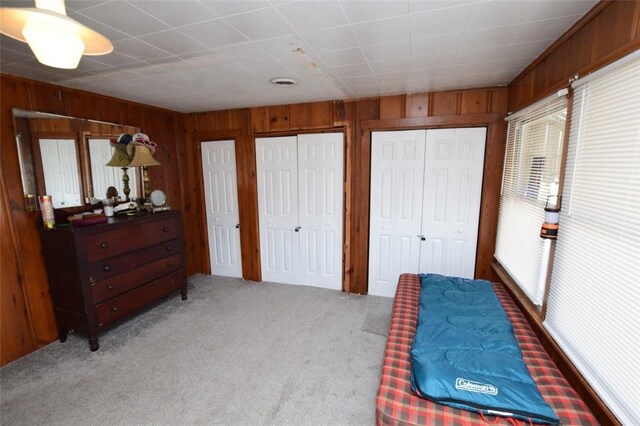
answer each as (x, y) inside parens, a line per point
(276, 165)
(320, 177)
(221, 199)
(426, 188)
(451, 207)
(397, 170)
(60, 168)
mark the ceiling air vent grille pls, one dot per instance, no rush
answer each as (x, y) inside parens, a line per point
(283, 81)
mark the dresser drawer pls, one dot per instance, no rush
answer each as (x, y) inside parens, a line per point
(120, 306)
(114, 242)
(111, 267)
(121, 283)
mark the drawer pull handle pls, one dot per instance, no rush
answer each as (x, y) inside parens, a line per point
(165, 229)
(114, 309)
(169, 248)
(109, 287)
(107, 268)
(104, 245)
(170, 264)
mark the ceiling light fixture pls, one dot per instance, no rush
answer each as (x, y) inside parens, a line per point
(57, 40)
(283, 81)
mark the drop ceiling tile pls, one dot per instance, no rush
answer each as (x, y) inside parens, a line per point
(7, 42)
(334, 58)
(431, 5)
(444, 43)
(302, 62)
(543, 30)
(498, 13)
(174, 42)
(233, 7)
(235, 72)
(215, 33)
(331, 39)
(112, 34)
(11, 56)
(434, 60)
(244, 52)
(174, 13)
(260, 24)
(313, 15)
(362, 11)
(382, 31)
(355, 70)
(394, 65)
(388, 51)
(78, 5)
(486, 54)
(268, 69)
(442, 21)
(560, 8)
(136, 48)
(122, 15)
(487, 37)
(283, 46)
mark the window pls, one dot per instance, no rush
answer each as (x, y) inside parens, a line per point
(531, 174)
(595, 291)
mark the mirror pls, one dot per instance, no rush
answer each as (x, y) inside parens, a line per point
(66, 158)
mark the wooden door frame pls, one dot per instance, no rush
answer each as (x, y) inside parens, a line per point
(492, 173)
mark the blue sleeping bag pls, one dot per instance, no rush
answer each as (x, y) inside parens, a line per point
(465, 354)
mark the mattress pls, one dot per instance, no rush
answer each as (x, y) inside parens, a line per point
(396, 403)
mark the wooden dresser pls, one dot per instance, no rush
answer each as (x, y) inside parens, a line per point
(101, 273)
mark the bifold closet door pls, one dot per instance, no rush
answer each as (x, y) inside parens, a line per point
(221, 200)
(300, 204)
(426, 187)
(454, 163)
(397, 172)
(277, 168)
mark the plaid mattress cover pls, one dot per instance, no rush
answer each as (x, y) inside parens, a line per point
(397, 404)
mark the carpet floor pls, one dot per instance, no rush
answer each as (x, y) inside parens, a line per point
(234, 353)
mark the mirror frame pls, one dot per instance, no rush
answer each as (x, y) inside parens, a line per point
(63, 127)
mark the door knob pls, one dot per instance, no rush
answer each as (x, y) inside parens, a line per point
(237, 226)
(298, 228)
(422, 237)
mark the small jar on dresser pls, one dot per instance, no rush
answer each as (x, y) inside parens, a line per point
(101, 273)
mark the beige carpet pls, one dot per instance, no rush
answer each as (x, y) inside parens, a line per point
(235, 353)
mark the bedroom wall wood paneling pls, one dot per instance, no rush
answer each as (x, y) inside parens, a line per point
(608, 32)
(26, 319)
(457, 109)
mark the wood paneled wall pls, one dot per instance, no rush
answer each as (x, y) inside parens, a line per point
(485, 107)
(608, 32)
(27, 320)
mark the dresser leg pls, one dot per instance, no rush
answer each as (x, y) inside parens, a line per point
(183, 291)
(62, 334)
(93, 344)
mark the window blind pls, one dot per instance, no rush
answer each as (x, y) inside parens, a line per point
(531, 172)
(595, 290)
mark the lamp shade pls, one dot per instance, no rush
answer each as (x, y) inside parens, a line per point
(142, 157)
(120, 157)
(55, 39)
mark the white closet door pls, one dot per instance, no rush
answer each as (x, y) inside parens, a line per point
(221, 199)
(320, 177)
(60, 167)
(397, 170)
(451, 207)
(276, 164)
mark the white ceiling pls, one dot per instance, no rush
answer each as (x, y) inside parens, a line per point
(204, 55)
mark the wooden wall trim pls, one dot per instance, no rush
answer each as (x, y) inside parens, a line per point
(562, 361)
(609, 31)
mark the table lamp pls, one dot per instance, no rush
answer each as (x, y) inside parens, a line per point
(143, 157)
(122, 160)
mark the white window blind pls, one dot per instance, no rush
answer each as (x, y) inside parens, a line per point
(530, 175)
(594, 299)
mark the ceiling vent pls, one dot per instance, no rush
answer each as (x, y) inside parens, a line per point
(283, 81)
